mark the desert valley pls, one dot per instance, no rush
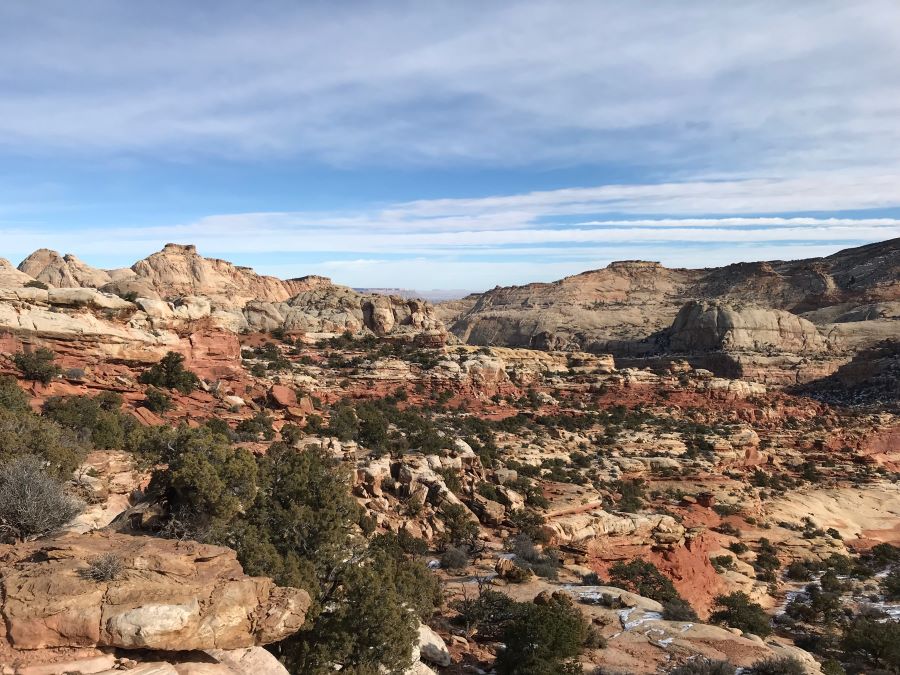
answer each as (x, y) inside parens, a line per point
(637, 469)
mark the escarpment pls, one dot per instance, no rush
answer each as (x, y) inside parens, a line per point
(823, 310)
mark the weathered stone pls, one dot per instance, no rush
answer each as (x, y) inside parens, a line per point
(171, 595)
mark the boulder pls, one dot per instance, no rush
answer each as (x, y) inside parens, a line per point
(710, 326)
(252, 661)
(282, 396)
(170, 595)
(432, 647)
(87, 297)
(488, 511)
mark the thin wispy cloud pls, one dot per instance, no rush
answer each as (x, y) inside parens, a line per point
(504, 236)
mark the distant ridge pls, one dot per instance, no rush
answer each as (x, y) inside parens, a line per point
(434, 295)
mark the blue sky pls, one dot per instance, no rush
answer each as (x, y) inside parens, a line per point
(449, 144)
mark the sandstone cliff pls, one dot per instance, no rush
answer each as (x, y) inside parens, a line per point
(630, 301)
(584, 311)
(175, 294)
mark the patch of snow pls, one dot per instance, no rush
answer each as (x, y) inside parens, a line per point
(627, 624)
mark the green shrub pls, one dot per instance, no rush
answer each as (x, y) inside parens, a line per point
(303, 514)
(11, 395)
(632, 495)
(256, 428)
(882, 555)
(38, 365)
(644, 578)
(32, 503)
(302, 531)
(23, 432)
(738, 547)
(204, 476)
(158, 401)
(766, 558)
(170, 373)
(738, 611)
(890, 584)
(454, 559)
(592, 579)
(816, 606)
(722, 562)
(461, 530)
(779, 665)
(367, 627)
(798, 571)
(832, 667)
(543, 638)
(488, 613)
(678, 609)
(35, 283)
(97, 420)
(530, 523)
(703, 666)
(874, 642)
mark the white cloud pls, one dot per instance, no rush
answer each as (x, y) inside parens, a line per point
(702, 86)
(477, 243)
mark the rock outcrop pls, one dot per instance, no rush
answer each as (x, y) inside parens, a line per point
(176, 288)
(585, 311)
(849, 296)
(712, 326)
(63, 271)
(10, 277)
(178, 270)
(336, 309)
(597, 524)
(170, 595)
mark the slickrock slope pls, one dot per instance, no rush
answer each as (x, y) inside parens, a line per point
(10, 277)
(178, 270)
(61, 271)
(171, 595)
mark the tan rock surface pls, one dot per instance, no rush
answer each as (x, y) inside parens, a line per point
(63, 271)
(178, 270)
(10, 277)
(617, 307)
(171, 596)
(710, 326)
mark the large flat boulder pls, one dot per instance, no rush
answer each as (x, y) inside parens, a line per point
(170, 595)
